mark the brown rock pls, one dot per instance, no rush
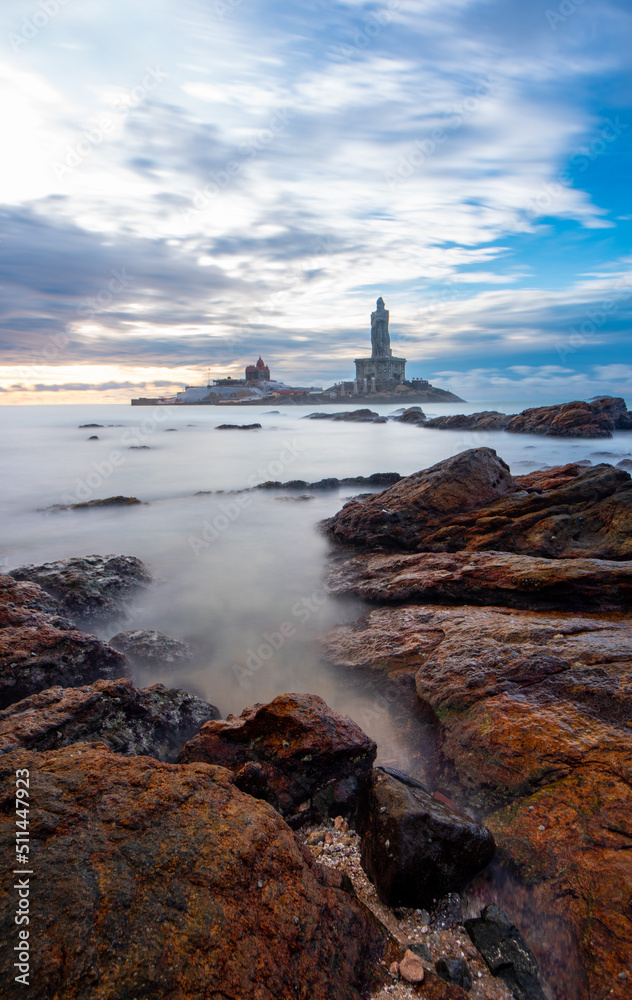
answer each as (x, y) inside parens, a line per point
(569, 512)
(484, 578)
(286, 750)
(410, 968)
(485, 420)
(154, 721)
(165, 880)
(400, 517)
(39, 648)
(533, 717)
(597, 419)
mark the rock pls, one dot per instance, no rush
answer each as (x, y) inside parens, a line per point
(92, 587)
(155, 721)
(506, 952)
(139, 447)
(108, 502)
(625, 463)
(166, 880)
(355, 416)
(413, 415)
(39, 647)
(415, 849)
(93, 437)
(238, 427)
(411, 969)
(405, 515)
(448, 911)
(148, 648)
(285, 751)
(597, 419)
(570, 512)
(532, 713)
(484, 578)
(485, 420)
(85, 426)
(301, 497)
(455, 971)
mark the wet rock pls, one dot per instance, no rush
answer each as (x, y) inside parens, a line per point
(139, 447)
(625, 463)
(455, 971)
(354, 416)
(485, 420)
(238, 427)
(448, 911)
(299, 498)
(597, 419)
(412, 510)
(93, 437)
(148, 648)
(415, 849)
(155, 721)
(285, 751)
(166, 880)
(85, 426)
(532, 713)
(569, 512)
(410, 968)
(506, 952)
(118, 501)
(413, 415)
(40, 647)
(484, 578)
(92, 587)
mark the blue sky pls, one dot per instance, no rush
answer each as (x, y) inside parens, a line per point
(190, 183)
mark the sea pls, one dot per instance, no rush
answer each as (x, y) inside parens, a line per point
(237, 575)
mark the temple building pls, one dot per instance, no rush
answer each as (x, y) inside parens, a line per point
(381, 372)
(259, 372)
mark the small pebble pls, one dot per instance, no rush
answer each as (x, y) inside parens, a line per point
(541, 828)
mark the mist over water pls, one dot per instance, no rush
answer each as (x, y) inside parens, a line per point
(239, 577)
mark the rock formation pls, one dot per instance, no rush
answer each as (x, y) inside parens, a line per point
(40, 648)
(89, 588)
(158, 880)
(285, 751)
(414, 848)
(148, 648)
(155, 721)
(532, 713)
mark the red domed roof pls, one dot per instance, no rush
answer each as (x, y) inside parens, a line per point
(260, 363)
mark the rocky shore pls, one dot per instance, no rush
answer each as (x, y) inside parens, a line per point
(531, 708)
(266, 856)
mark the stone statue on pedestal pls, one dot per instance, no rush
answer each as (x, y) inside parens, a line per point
(380, 339)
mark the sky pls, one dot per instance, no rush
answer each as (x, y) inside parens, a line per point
(189, 184)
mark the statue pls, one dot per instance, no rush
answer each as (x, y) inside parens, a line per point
(380, 339)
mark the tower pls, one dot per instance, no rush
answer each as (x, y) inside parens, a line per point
(380, 372)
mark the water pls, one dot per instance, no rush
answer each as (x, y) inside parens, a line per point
(240, 577)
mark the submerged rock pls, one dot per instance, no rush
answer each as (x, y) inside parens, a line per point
(40, 648)
(148, 648)
(485, 420)
(285, 751)
(413, 415)
(166, 880)
(155, 721)
(414, 848)
(354, 416)
(506, 952)
(92, 587)
(238, 427)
